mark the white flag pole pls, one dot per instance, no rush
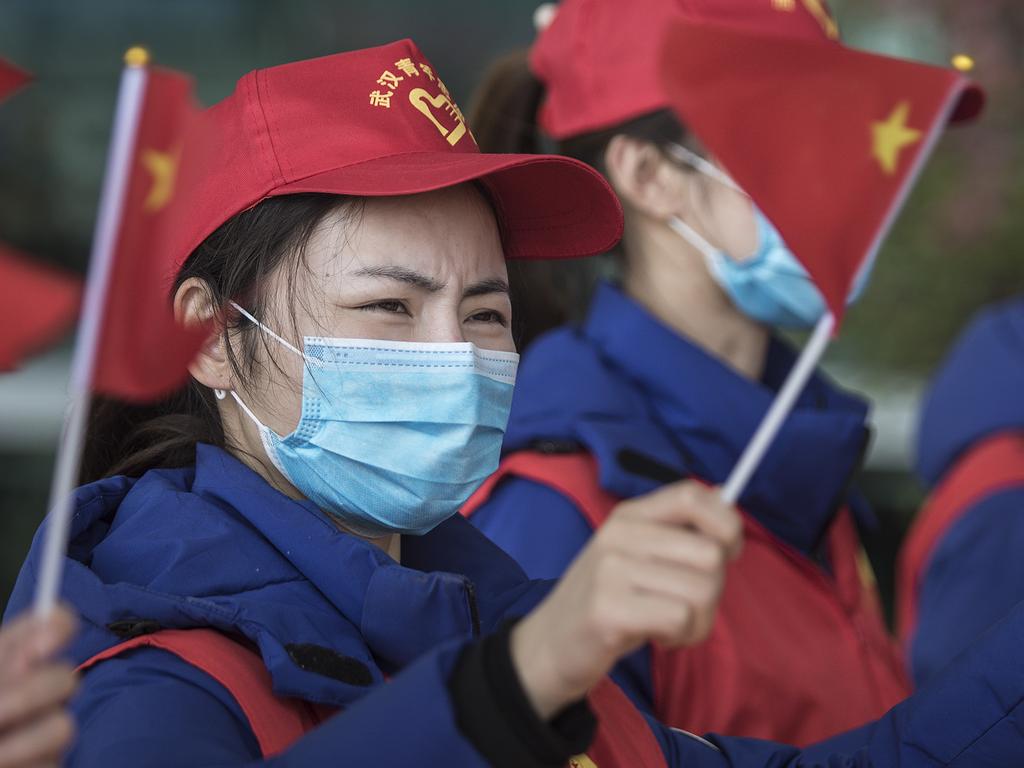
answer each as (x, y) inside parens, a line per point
(108, 223)
(780, 409)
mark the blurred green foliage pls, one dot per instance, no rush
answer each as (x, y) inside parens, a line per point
(959, 242)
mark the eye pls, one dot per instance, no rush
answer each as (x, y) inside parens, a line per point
(389, 306)
(489, 316)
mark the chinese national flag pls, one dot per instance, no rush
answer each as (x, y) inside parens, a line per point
(143, 353)
(38, 304)
(826, 140)
(11, 78)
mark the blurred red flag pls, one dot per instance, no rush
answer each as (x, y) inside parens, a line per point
(11, 78)
(143, 353)
(826, 140)
(38, 304)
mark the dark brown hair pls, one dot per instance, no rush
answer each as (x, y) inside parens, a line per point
(503, 114)
(235, 263)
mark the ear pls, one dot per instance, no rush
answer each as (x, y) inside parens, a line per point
(193, 305)
(644, 179)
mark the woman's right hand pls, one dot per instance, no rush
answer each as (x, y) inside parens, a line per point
(35, 726)
(654, 571)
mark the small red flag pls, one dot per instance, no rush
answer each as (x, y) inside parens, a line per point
(826, 140)
(143, 352)
(11, 78)
(38, 304)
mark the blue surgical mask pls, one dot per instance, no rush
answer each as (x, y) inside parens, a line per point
(771, 286)
(394, 436)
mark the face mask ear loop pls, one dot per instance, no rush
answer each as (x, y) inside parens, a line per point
(694, 238)
(245, 409)
(263, 430)
(266, 330)
(699, 164)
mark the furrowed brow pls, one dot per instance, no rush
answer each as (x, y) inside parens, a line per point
(402, 275)
(484, 287)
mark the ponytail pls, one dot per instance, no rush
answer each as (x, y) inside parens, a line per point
(503, 111)
(503, 115)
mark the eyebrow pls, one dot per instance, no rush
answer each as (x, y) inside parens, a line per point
(484, 287)
(402, 275)
(427, 283)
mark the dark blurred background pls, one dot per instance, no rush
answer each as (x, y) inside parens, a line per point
(957, 245)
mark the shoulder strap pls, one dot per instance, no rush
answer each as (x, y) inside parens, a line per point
(624, 738)
(574, 475)
(275, 721)
(993, 465)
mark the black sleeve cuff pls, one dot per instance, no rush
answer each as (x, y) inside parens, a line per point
(494, 713)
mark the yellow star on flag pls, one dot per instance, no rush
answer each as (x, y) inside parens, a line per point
(163, 166)
(891, 136)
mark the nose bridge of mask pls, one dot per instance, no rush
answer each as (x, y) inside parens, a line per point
(490, 363)
(369, 355)
(431, 357)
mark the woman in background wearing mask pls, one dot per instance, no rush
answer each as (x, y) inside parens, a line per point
(669, 376)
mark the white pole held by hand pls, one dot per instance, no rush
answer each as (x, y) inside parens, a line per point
(104, 244)
(780, 409)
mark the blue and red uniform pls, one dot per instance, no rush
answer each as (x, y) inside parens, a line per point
(624, 404)
(961, 569)
(331, 622)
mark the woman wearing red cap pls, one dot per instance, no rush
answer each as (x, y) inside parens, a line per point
(279, 541)
(668, 377)
(270, 569)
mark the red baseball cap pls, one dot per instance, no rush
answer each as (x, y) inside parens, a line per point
(376, 122)
(599, 59)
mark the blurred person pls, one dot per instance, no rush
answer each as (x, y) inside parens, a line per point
(35, 686)
(961, 569)
(668, 377)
